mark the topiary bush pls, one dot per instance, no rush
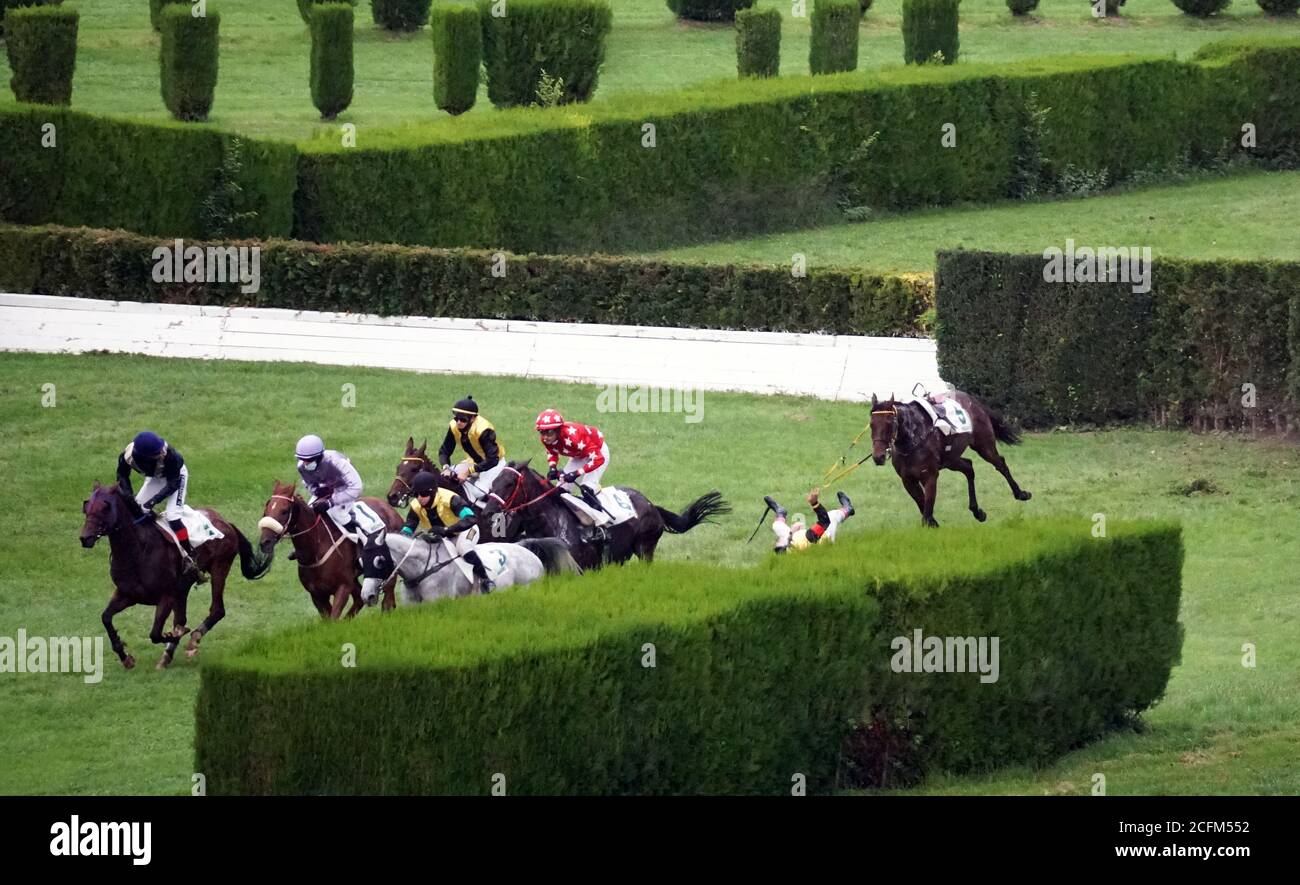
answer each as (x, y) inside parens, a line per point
(708, 10)
(834, 43)
(189, 61)
(155, 10)
(1279, 7)
(758, 42)
(400, 15)
(929, 27)
(1202, 8)
(864, 5)
(19, 4)
(331, 58)
(304, 7)
(457, 55)
(1022, 7)
(561, 42)
(42, 48)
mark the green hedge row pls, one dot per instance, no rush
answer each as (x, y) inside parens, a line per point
(396, 280)
(65, 167)
(760, 674)
(1050, 352)
(740, 158)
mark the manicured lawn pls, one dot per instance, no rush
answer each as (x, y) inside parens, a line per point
(263, 86)
(1222, 727)
(1247, 215)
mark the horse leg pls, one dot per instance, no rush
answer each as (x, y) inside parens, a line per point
(322, 602)
(988, 450)
(390, 595)
(966, 467)
(931, 487)
(115, 604)
(217, 610)
(160, 613)
(352, 592)
(913, 486)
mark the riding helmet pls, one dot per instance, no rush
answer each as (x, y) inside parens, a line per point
(147, 444)
(310, 447)
(425, 483)
(549, 420)
(467, 406)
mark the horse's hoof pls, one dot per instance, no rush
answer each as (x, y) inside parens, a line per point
(1023, 496)
(980, 515)
(128, 662)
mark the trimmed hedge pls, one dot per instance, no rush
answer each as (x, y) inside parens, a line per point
(42, 49)
(1279, 7)
(331, 58)
(401, 15)
(1088, 352)
(1022, 7)
(156, 8)
(189, 62)
(759, 155)
(758, 42)
(1202, 8)
(66, 167)
(393, 280)
(708, 10)
(834, 44)
(305, 7)
(457, 55)
(760, 673)
(930, 26)
(562, 39)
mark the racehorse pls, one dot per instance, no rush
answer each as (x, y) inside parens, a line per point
(146, 569)
(522, 502)
(429, 571)
(327, 559)
(415, 461)
(919, 450)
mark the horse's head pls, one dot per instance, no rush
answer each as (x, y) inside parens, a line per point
(413, 461)
(376, 565)
(516, 484)
(884, 428)
(277, 515)
(104, 509)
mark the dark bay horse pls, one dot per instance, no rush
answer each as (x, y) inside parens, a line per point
(145, 567)
(414, 461)
(328, 564)
(523, 503)
(920, 450)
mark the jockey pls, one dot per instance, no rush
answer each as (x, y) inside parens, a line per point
(478, 438)
(166, 478)
(455, 517)
(588, 455)
(334, 483)
(800, 537)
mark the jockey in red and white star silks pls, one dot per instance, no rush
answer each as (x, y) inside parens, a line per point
(586, 449)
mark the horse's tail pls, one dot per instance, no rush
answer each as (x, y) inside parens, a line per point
(699, 511)
(1002, 430)
(252, 564)
(554, 554)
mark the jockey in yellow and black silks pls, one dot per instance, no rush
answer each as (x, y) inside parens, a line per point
(439, 513)
(801, 537)
(478, 439)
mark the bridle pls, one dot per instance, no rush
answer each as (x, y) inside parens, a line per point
(892, 444)
(418, 459)
(519, 484)
(281, 531)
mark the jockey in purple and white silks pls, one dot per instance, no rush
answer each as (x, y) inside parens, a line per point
(334, 483)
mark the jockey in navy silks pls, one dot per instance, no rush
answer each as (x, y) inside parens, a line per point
(166, 480)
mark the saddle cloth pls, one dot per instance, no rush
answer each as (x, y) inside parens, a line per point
(366, 518)
(197, 525)
(946, 413)
(616, 502)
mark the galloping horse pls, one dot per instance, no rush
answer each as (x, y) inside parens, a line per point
(522, 502)
(146, 569)
(920, 450)
(416, 461)
(327, 561)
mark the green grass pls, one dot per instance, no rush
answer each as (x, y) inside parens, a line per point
(236, 424)
(1246, 215)
(263, 86)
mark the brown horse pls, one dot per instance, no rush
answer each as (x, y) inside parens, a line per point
(145, 567)
(920, 450)
(328, 563)
(415, 461)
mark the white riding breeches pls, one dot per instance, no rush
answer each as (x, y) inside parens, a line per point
(590, 480)
(174, 503)
(479, 484)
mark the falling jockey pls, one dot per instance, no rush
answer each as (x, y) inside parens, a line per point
(800, 536)
(478, 439)
(334, 483)
(455, 519)
(588, 455)
(166, 479)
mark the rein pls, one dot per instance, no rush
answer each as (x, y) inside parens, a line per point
(519, 481)
(293, 509)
